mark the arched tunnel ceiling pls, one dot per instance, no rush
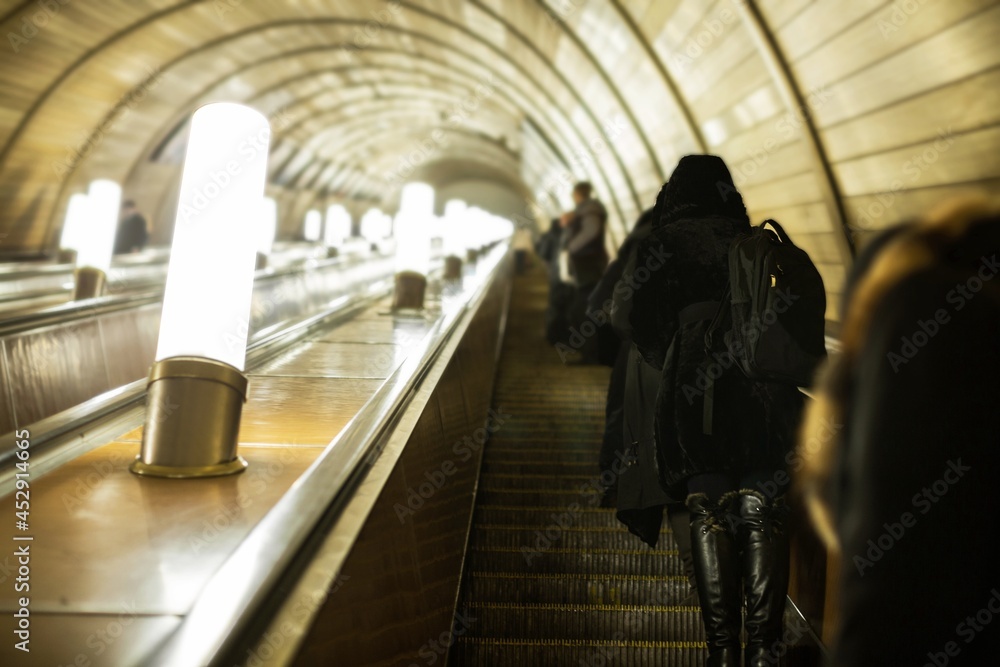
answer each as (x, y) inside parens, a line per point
(837, 118)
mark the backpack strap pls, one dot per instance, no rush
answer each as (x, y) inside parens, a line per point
(696, 312)
(722, 311)
(779, 231)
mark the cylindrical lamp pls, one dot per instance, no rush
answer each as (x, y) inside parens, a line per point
(338, 225)
(413, 245)
(338, 229)
(478, 224)
(77, 214)
(95, 238)
(196, 386)
(371, 227)
(312, 228)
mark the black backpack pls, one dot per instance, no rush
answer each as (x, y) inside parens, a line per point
(776, 307)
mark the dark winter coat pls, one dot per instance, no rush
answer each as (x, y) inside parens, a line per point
(752, 424)
(665, 295)
(560, 294)
(906, 427)
(584, 240)
(630, 413)
(601, 297)
(641, 496)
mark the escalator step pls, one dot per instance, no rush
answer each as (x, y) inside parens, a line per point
(583, 622)
(575, 589)
(538, 558)
(530, 481)
(542, 516)
(499, 458)
(571, 537)
(562, 653)
(539, 497)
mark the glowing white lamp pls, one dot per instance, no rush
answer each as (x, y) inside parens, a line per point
(94, 238)
(455, 229)
(77, 214)
(413, 227)
(386, 226)
(268, 226)
(98, 241)
(477, 227)
(372, 225)
(501, 228)
(413, 245)
(196, 386)
(338, 226)
(313, 226)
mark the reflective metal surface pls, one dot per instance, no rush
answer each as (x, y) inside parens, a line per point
(193, 408)
(75, 352)
(54, 369)
(312, 410)
(104, 538)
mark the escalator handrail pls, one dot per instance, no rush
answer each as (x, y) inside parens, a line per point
(86, 308)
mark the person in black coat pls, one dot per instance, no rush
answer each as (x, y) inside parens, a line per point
(599, 307)
(721, 438)
(627, 457)
(583, 241)
(903, 441)
(560, 293)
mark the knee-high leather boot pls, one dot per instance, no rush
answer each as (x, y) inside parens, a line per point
(717, 569)
(763, 541)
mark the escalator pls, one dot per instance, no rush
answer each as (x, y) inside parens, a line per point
(551, 578)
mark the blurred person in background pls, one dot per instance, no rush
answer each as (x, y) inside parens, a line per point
(901, 448)
(586, 257)
(133, 230)
(522, 247)
(547, 247)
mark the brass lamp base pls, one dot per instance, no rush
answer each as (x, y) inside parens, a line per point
(88, 283)
(452, 268)
(237, 465)
(66, 256)
(409, 291)
(192, 419)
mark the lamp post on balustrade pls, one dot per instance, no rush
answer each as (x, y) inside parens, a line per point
(412, 230)
(197, 386)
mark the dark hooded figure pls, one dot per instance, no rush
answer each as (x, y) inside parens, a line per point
(722, 443)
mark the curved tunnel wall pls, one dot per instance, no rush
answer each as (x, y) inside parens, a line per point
(838, 117)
